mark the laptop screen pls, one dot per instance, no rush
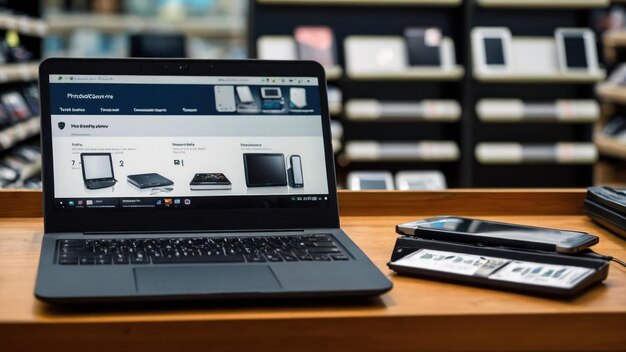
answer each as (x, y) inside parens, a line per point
(181, 142)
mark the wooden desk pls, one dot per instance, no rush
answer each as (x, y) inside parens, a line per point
(415, 315)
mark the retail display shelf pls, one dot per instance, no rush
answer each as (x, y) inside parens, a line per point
(518, 153)
(11, 136)
(210, 27)
(426, 151)
(556, 77)
(518, 111)
(364, 2)
(584, 4)
(24, 72)
(454, 73)
(426, 110)
(23, 24)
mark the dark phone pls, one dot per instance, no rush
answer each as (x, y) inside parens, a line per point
(424, 46)
(492, 233)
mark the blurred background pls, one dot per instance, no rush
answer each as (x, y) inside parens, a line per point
(412, 104)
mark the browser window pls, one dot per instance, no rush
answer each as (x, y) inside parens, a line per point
(178, 142)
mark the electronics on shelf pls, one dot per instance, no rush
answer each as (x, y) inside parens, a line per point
(570, 55)
(387, 57)
(370, 180)
(420, 180)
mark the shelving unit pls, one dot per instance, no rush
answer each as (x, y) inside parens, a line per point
(24, 19)
(389, 141)
(385, 108)
(529, 142)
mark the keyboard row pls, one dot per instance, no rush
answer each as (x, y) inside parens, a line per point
(321, 247)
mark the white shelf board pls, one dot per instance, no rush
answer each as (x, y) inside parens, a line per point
(23, 24)
(583, 4)
(19, 72)
(209, 27)
(411, 74)
(364, 2)
(556, 77)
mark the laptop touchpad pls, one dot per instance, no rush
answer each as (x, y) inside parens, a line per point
(205, 279)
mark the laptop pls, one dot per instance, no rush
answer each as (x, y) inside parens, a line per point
(260, 238)
(97, 170)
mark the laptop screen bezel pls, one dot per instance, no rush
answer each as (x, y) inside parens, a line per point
(183, 220)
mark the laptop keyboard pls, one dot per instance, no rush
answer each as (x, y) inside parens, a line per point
(259, 249)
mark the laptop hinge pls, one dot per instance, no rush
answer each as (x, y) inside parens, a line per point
(104, 233)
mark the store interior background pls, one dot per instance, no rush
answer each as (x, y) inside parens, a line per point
(454, 144)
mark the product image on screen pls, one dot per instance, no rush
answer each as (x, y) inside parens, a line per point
(210, 181)
(265, 170)
(494, 51)
(271, 93)
(149, 180)
(97, 170)
(296, 179)
(575, 51)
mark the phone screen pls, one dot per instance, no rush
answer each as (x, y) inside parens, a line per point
(500, 230)
(494, 51)
(575, 51)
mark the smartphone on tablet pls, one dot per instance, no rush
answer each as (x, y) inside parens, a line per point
(492, 233)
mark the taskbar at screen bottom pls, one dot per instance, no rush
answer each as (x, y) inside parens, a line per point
(168, 203)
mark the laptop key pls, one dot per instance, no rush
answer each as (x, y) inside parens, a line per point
(120, 259)
(273, 257)
(200, 259)
(339, 256)
(139, 258)
(87, 261)
(255, 258)
(103, 259)
(324, 250)
(68, 260)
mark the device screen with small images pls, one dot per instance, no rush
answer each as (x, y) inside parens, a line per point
(494, 52)
(575, 51)
(160, 141)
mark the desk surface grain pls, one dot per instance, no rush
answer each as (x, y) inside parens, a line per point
(415, 314)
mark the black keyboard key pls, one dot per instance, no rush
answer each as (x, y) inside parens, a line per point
(120, 259)
(273, 257)
(339, 257)
(103, 259)
(255, 258)
(289, 258)
(324, 250)
(200, 259)
(87, 261)
(323, 244)
(139, 258)
(66, 260)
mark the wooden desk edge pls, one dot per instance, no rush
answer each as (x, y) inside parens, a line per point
(26, 203)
